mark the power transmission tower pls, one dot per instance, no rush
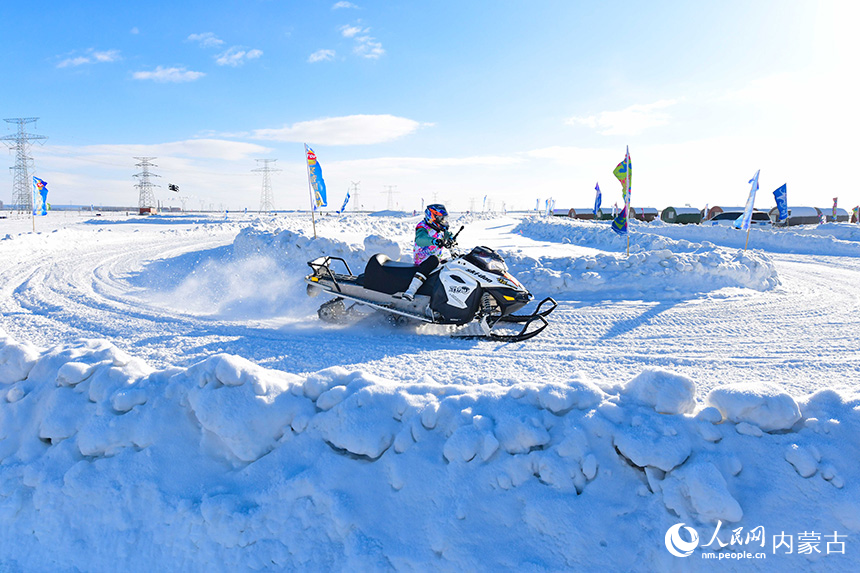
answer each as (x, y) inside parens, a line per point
(354, 195)
(146, 197)
(390, 190)
(21, 142)
(266, 202)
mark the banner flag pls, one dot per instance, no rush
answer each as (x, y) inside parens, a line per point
(781, 196)
(345, 201)
(623, 172)
(619, 225)
(597, 199)
(41, 188)
(835, 200)
(315, 178)
(743, 222)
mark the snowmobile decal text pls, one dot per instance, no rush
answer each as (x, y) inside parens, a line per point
(479, 275)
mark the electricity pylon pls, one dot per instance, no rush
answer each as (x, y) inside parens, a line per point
(266, 201)
(21, 141)
(146, 197)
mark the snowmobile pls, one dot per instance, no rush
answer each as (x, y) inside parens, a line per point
(471, 291)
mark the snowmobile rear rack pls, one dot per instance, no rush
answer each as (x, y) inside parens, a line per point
(322, 269)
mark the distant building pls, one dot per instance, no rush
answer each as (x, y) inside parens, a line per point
(798, 216)
(682, 215)
(646, 214)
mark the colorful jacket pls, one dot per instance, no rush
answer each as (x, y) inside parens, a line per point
(425, 237)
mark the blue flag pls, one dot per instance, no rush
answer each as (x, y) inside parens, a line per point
(743, 222)
(781, 196)
(345, 201)
(41, 188)
(315, 179)
(597, 199)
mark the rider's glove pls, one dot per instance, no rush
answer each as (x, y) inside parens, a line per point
(439, 242)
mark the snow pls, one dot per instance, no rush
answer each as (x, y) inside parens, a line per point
(168, 399)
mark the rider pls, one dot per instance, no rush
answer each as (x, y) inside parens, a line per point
(431, 235)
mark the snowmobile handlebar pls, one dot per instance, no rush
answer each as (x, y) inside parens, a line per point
(452, 242)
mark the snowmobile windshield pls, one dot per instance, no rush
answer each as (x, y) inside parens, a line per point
(487, 259)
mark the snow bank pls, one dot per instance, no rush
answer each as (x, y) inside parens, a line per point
(833, 239)
(107, 464)
(657, 266)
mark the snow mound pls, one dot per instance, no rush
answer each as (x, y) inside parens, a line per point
(107, 464)
(666, 392)
(759, 404)
(660, 273)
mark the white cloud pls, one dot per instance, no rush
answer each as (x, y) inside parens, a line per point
(92, 57)
(172, 75)
(631, 120)
(366, 45)
(321, 56)
(237, 56)
(346, 130)
(369, 48)
(206, 40)
(348, 31)
(343, 4)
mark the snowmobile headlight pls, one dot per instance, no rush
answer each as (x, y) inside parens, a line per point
(497, 266)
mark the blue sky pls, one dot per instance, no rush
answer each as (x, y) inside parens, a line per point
(446, 101)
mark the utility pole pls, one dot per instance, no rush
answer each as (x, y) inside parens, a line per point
(21, 142)
(267, 204)
(390, 190)
(146, 198)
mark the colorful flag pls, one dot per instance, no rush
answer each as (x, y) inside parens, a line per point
(624, 173)
(597, 199)
(345, 201)
(743, 222)
(835, 200)
(856, 211)
(781, 196)
(316, 179)
(41, 188)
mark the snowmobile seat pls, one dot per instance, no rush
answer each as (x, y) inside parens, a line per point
(384, 275)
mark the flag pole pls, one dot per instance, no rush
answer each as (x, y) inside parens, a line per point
(311, 192)
(33, 211)
(629, 190)
(748, 238)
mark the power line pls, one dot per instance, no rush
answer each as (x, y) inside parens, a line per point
(266, 201)
(21, 143)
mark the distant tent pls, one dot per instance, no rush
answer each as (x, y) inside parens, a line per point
(841, 215)
(646, 214)
(605, 214)
(585, 213)
(798, 216)
(716, 210)
(683, 215)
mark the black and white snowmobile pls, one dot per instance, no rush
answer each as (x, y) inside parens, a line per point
(472, 291)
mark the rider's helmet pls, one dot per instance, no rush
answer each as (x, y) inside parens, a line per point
(436, 216)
